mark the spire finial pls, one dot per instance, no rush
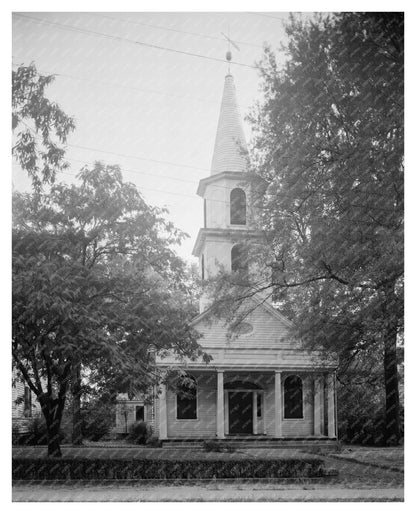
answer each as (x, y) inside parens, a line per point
(228, 54)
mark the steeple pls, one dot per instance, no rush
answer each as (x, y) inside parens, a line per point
(230, 150)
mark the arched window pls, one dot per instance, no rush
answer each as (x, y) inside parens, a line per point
(239, 258)
(293, 397)
(186, 398)
(237, 207)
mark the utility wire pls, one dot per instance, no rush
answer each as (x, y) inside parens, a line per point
(71, 28)
(267, 16)
(136, 172)
(197, 34)
(132, 88)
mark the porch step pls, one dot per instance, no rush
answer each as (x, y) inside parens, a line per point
(247, 442)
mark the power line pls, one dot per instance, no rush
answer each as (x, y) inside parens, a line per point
(136, 172)
(71, 28)
(112, 84)
(138, 158)
(125, 155)
(267, 15)
(197, 34)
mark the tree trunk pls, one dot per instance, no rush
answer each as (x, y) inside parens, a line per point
(52, 410)
(76, 405)
(391, 380)
(54, 446)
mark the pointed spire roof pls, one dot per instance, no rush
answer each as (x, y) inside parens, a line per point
(230, 150)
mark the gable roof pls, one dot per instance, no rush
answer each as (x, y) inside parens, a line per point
(262, 302)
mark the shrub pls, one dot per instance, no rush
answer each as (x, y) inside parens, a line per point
(93, 469)
(140, 432)
(97, 420)
(153, 442)
(36, 433)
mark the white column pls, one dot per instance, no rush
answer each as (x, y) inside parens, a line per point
(227, 410)
(317, 407)
(163, 423)
(220, 405)
(277, 404)
(255, 412)
(331, 405)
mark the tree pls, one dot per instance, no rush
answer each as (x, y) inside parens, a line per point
(95, 283)
(329, 145)
(41, 126)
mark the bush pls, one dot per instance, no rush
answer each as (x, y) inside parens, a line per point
(36, 433)
(154, 442)
(97, 420)
(140, 432)
(122, 469)
(218, 446)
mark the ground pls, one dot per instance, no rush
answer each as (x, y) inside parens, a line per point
(365, 474)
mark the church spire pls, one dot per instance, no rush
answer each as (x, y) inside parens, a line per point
(230, 150)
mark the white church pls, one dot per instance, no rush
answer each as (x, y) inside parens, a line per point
(260, 384)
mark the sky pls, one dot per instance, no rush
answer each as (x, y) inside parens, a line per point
(138, 101)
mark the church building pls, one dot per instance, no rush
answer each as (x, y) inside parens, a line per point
(260, 383)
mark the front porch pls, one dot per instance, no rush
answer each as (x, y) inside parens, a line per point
(255, 406)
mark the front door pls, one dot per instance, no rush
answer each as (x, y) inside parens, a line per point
(240, 406)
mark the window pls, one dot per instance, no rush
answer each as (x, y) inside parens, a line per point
(293, 397)
(259, 405)
(239, 258)
(237, 207)
(27, 409)
(202, 267)
(205, 213)
(186, 397)
(139, 413)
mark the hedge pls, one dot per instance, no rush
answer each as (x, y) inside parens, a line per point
(99, 469)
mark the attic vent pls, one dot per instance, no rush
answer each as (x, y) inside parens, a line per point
(242, 328)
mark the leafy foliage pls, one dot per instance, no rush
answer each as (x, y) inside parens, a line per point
(97, 419)
(140, 432)
(182, 468)
(328, 143)
(95, 282)
(42, 126)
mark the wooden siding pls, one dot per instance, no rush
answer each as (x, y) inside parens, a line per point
(268, 332)
(20, 421)
(206, 423)
(121, 420)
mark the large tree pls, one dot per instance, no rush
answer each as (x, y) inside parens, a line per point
(95, 283)
(329, 145)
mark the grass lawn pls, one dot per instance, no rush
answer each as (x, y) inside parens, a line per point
(138, 452)
(387, 458)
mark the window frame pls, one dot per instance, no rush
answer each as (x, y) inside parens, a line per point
(196, 404)
(284, 398)
(234, 211)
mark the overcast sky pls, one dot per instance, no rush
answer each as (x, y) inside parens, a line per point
(153, 111)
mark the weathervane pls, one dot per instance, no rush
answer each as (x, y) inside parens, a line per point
(228, 54)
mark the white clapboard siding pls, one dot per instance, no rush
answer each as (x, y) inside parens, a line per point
(268, 332)
(205, 425)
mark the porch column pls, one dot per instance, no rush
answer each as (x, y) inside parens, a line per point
(163, 424)
(331, 405)
(317, 407)
(277, 404)
(220, 405)
(255, 412)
